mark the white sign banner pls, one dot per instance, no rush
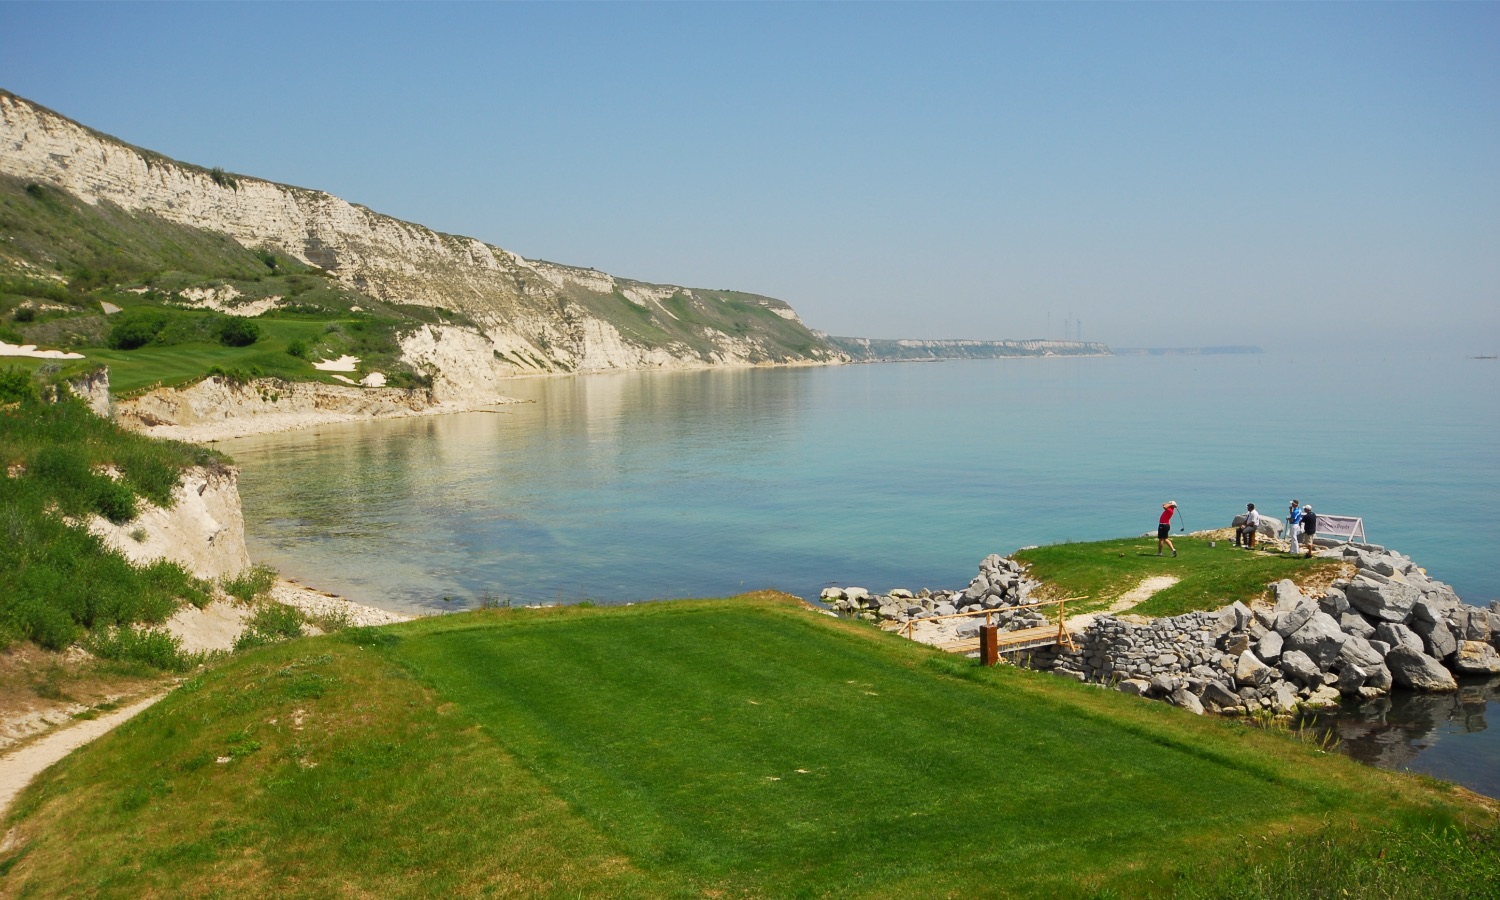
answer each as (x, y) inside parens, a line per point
(1347, 527)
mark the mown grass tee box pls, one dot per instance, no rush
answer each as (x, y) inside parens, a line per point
(729, 748)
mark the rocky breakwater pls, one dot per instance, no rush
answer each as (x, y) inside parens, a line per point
(1387, 626)
(1000, 587)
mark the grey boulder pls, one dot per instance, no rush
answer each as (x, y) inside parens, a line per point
(1355, 624)
(1269, 647)
(1299, 667)
(1321, 639)
(1250, 670)
(1476, 658)
(1419, 671)
(1398, 635)
(1184, 698)
(1391, 601)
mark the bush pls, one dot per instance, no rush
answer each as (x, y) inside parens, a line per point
(251, 583)
(16, 384)
(156, 648)
(136, 328)
(58, 580)
(24, 314)
(238, 332)
(273, 622)
(297, 348)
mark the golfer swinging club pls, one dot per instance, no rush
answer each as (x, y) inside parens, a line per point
(1164, 527)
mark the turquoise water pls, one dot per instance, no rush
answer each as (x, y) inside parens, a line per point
(639, 486)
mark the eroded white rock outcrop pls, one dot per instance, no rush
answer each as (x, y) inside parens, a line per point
(203, 530)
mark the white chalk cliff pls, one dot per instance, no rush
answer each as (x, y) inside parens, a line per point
(203, 530)
(530, 316)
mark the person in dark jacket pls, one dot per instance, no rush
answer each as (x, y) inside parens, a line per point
(1309, 528)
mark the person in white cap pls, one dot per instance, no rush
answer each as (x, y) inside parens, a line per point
(1309, 528)
(1164, 527)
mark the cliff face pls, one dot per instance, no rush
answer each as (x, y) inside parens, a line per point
(203, 531)
(530, 315)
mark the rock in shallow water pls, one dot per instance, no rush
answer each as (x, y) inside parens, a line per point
(1476, 658)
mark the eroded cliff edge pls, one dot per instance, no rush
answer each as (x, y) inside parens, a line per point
(528, 315)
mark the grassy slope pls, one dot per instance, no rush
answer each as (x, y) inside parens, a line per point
(58, 579)
(1211, 577)
(730, 748)
(79, 255)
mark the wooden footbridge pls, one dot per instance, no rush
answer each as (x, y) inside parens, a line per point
(991, 642)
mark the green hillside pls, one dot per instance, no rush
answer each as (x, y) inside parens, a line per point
(65, 258)
(746, 747)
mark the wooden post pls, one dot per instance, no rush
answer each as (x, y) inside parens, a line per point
(989, 644)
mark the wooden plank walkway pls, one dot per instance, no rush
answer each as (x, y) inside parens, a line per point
(1008, 641)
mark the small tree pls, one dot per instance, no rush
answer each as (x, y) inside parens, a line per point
(237, 332)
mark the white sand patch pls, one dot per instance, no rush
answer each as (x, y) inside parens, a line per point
(109, 308)
(346, 380)
(214, 627)
(374, 379)
(342, 364)
(32, 351)
(1133, 597)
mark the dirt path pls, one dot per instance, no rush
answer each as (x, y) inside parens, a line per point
(1136, 595)
(19, 767)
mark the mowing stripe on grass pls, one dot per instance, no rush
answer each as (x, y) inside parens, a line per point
(760, 749)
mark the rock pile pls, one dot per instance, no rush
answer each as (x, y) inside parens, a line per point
(1000, 586)
(1388, 625)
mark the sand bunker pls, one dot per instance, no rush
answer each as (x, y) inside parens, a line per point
(31, 350)
(342, 364)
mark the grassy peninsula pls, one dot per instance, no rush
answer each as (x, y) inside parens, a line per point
(1211, 572)
(745, 747)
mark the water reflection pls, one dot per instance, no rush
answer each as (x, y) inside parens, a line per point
(626, 487)
(1447, 736)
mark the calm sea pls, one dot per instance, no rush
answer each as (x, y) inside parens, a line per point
(639, 486)
(649, 485)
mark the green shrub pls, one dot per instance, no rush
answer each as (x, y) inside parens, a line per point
(24, 314)
(237, 332)
(16, 384)
(154, 647)
(250, 583)
(236, 376)
(273, 622)
(297, 348)
(136, 328)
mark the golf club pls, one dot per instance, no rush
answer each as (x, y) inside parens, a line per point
(1181, 522)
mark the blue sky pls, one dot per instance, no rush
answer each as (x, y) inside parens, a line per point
(1166, 174)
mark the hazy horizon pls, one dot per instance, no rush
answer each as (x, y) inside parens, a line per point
(1163, 175)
